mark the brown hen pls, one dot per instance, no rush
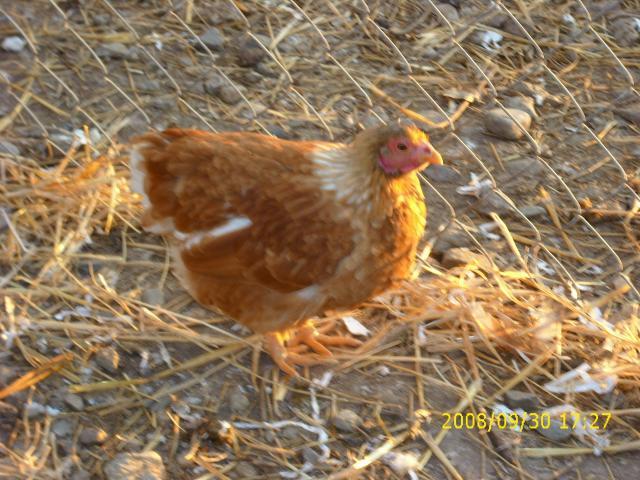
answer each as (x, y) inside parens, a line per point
(273, 232)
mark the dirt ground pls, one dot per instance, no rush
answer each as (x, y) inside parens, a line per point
(103, 353)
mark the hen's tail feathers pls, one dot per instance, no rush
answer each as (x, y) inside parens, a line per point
(152, 178)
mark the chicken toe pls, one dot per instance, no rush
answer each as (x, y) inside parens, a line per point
(292, 348)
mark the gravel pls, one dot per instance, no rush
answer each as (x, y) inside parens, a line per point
(347, 421)
(524, 400)
(13, 44)
(213, 39)
(93, 436)
(108, 359)
(135, 466)
(499, 124)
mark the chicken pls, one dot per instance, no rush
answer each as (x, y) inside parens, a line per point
(274, 232)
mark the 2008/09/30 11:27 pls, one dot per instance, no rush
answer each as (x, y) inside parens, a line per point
(532, 420)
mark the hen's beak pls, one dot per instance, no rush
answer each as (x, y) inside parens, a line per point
(430, 155)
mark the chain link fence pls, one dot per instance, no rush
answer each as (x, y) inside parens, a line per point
(533, 105)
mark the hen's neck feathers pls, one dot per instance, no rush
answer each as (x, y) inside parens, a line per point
(353, 173)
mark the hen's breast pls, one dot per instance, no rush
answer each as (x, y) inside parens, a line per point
(386, 239)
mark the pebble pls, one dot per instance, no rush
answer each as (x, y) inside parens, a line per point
(347, 421)
(456, 257)
(7, 374)
(449, 12)
(153, 296)
(625, 31)
(115, 51)
(526, 104)
(630, 114)
(108, 358)
(8, 147)
(93, 436)
(310, 456)
(250, 53)
(213, 39)
(443, 174)
(532, 211)
(62, 427)
(279, 132)
(214, 83)
(498, 123)
(74, 401)
(293, 434)
(13, 44)
(555, 431)
(135, 466)
(490, 202)
(524, 400)
(229, 95)
(81, 474)
(239, 401)
(526, 166)
(454, 236)
(266, 70)
(102, 19)
(245, 470)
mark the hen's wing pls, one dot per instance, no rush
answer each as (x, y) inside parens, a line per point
(243, 207)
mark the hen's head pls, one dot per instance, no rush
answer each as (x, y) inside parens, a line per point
(397, 149)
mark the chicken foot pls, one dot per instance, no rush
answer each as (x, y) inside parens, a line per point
(291, 347)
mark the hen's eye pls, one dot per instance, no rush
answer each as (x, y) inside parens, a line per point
(402, 146)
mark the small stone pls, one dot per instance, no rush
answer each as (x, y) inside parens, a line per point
(532, 211)
(626, 31)
(498, 123)
(74, 401)
(114, 51)
(163, 102)
(62, 427)
(229, 95)
(153, 296)
(347, 421)
(102, 19)
(7, 374)
(454, 236)
(245, 470)
(630, 114)
(279, 132)
(13, 44)
(526, 104)
(81, 474)
(266, 70)
(213, 39)
(135, 466)
(93, 436)
(8, 147)
(148, 84)
(239, 401)
(491, 202)
(443, 174)
(214, 83)
(524, 400)
(310, 456)
(250, 53)
(293, 434)
(463, 256)
(108, 358)
(525, 166)
(555, 432)
(448, 11)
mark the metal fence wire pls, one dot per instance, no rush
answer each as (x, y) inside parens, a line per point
(533, 105)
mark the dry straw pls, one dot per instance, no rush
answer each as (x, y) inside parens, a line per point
(548, 291)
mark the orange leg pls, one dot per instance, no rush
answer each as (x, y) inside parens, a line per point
(290, 348)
